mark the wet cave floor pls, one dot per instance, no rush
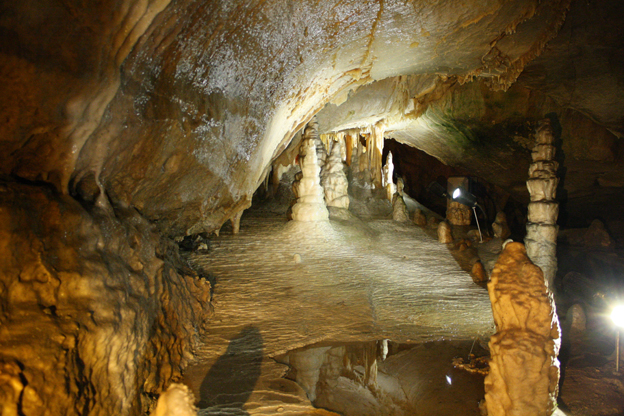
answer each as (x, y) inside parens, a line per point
(340, 317)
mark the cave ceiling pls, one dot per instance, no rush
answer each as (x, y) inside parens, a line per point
(177, 108)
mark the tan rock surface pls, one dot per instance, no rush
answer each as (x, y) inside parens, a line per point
(84, 295)
(524, 370)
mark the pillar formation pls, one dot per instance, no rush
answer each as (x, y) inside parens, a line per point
(310, 205)
(541, 237)
(524, 370)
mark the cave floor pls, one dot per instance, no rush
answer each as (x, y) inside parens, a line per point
(280, 285)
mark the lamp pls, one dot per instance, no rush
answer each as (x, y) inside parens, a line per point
(466, 198)
(617, 316)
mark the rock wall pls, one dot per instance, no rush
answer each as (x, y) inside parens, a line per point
(524, 370)
(98, 313)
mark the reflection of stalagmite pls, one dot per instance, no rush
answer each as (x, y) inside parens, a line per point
(334, 180)
(524, 370)
(310, 204)
(541, 237)
(388, 172)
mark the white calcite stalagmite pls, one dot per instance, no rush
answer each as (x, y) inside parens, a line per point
(334, 180)
(543, 210)
(310, 205)
(387, 182)
(524, 370)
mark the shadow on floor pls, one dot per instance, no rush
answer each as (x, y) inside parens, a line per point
(231, 380)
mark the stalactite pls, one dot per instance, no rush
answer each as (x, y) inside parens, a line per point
(541, 237)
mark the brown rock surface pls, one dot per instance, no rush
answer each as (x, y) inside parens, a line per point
(84, 295)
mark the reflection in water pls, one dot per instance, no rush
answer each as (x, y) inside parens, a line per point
(384, 377)
(231, 380)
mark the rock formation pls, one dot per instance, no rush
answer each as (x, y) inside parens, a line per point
(178, 400)
(458, 214)
(387, 178)
(541, 237)
(420, 218)
(445, 233)
(310, 205)
(334, 180)
(311, 133)
(399, 209)
(84, 294)
(500, 227)
(524, 370)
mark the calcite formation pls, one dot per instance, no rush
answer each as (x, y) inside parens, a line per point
(500, 226)
(458, 214)
(178, 400)
(84, 295)
(420, 218)
(541, 237)
(310, 205)
(334, 180)
(524, 370)
(445, 233)
(311, 133)
(387, 178)
(399, 208)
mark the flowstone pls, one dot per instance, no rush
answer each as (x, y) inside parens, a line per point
(524, 370)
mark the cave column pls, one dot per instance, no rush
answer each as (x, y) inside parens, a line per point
(541, 237)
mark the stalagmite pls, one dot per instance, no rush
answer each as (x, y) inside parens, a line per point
(311, 132)
(310, 204)
(445, 234)
(524, 370)
(178, 400)
(387, 181)
(399, 209)
(541, 237)
(500, 227)
(334, 180)
(420, 218)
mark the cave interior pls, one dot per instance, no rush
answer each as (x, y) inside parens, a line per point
(241, 207)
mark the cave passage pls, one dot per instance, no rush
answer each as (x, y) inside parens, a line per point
(301, 283)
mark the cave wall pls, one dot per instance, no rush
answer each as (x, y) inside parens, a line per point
(98, 314)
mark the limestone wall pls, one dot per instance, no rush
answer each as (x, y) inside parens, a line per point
(98, 314)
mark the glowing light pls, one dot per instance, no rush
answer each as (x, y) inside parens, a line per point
(448, 380)
(456, 193)
(617, 315)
